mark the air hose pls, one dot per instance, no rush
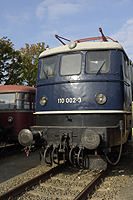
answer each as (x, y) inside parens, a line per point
(121, 128)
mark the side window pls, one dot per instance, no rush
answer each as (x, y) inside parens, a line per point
(32, 101)
(126, 66)
(70, 64)
(97, 62)
(48, 67)
(23, 101)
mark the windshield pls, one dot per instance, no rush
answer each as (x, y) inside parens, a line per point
(48, 67)
(7, 101)
(97, 62)
(71, 64)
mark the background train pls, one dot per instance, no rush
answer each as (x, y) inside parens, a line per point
(17, 104)
(83, 103)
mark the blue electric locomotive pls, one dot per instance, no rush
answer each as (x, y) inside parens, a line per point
(84, 103)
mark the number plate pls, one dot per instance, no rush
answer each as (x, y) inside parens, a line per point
(69, 100)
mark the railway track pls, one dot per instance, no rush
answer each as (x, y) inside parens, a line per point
(60, 182)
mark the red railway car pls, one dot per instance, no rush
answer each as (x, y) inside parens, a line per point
(17, 104)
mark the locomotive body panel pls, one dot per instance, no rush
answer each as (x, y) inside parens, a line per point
(81, 96)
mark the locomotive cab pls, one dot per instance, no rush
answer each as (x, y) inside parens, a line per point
(83, 103)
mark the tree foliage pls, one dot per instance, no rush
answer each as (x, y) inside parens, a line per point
(30, 55)
(19, 67)
(10, 63)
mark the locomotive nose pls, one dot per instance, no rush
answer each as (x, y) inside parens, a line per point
(90, 139)
(25, 137)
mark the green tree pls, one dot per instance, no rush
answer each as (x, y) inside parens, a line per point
(30, 55)
(10, 63)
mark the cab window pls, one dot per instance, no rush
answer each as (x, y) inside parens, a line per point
(126, 66)
(97, 62)
(7, 101)
(48, 67)
(23, 101)
(70, 64)
(33, 102)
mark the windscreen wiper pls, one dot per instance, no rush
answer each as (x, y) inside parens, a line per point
(45, 74)
(100, 68)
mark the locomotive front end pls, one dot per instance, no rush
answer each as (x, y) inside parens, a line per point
(17, 104)
(83, 103)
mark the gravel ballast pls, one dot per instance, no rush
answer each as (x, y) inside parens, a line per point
(118, 183)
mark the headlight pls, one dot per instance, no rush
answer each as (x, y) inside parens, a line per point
(101, 98)
(10, 119)
(72, 44)
(43, 101)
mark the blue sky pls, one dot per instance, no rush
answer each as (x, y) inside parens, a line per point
(33, 21)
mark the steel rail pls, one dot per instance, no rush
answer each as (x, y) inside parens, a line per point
(85, 193)
(24, 186)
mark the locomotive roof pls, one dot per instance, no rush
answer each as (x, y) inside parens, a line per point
(83, 46)
(16, 88)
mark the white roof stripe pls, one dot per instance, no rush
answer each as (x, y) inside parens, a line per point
(82, 46)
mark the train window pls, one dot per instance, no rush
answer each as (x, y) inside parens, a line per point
(97, 62)
(48, 67)
(126, 66)
(23, 101)
(70, 64)
(7, 101)
(32, 102)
